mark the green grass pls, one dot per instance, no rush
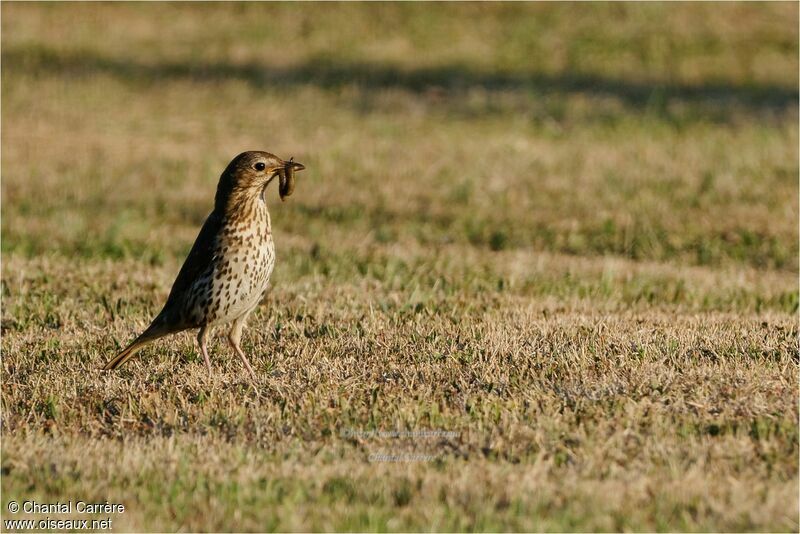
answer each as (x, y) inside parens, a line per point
(566, 233)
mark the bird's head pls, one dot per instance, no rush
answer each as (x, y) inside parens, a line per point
(250, 173)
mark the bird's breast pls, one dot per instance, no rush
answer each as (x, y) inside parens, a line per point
(239, 275)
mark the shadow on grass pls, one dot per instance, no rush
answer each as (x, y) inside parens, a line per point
(450, 80)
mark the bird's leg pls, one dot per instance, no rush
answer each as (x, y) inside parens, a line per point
(234, 336)
(202, 340)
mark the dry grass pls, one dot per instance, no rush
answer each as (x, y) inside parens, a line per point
(567, 234)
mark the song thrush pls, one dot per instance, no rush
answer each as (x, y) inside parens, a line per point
(227, 271)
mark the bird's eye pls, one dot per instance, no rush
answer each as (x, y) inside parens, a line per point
(260, 166)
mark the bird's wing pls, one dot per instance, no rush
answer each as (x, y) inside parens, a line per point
(197, 264)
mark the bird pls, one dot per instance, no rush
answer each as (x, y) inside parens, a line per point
(227, 271)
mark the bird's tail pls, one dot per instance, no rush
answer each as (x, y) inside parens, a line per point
(148, 336)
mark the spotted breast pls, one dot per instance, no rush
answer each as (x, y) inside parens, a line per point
(238, 276)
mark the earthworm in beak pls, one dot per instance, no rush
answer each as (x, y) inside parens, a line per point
(286, 177)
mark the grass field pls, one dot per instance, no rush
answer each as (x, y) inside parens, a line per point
(563, 236)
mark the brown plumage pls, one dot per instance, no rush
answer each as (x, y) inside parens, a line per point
(227, 271)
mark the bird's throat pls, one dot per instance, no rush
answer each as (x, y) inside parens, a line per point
(245, 205)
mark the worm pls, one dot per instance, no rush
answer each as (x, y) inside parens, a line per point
(286, 182)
